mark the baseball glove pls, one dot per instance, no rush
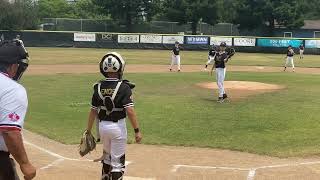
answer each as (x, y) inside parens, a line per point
(231, 52)
(87, 144)
(130, 84)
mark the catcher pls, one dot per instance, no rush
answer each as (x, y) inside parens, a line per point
(111, 103)
(220, 59)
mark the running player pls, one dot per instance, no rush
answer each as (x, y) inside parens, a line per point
(289, 58)
(175, 59)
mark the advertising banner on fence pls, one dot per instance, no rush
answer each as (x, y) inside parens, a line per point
(84, 37)
(279, 42)
(152, 39)
(312, 43)
(244, 42)
(217, 40)
(172, 39)
(197, 40)
(128, 38)
(107, 37)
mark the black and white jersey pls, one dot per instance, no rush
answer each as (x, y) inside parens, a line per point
(123, 99)
(301, 47)
(212, 52)
(219, 59)
(290, 53)
(176, 51)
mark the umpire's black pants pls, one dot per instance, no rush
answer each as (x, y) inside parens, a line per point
(7, 167)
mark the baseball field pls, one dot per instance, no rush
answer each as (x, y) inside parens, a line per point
(271, 123)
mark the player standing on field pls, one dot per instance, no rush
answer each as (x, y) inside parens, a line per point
(220, 59)
(211, 56)
(289, 58)
(175, 59)
(112, 103)
(301, 50)
(13, 108)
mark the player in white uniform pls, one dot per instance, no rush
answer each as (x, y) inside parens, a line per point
(175, 57)
(301, 50)
(13, 108)
(289, 58)
(112, 103)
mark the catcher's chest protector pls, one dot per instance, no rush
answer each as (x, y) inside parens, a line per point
(108, 101)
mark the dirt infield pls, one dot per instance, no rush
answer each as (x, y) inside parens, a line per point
(82, 69)
(147, 162)
(242, 89)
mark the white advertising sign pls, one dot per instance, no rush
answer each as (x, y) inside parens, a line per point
(217, 40)
(244, 41)
(128, 38)
(84, 37)
(172, 39)
(155, 39)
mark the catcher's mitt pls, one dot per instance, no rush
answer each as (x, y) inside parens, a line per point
(130, 84)
(87, 144)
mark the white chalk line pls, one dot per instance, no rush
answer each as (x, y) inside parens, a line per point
(60, 158)
(54, 163)
(251, 171)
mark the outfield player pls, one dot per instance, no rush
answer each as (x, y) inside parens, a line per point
(289, 58)
(220, 60)
(112, 103)
(175, 58)
(211, 56)
(301, 50)
(13, 108)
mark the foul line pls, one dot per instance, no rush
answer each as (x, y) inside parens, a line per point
(251, 171)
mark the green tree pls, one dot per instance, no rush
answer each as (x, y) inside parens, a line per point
(18, 15)
(193, 11)
(129, 12)
(55, 9)
(269, 13)
(87, 9)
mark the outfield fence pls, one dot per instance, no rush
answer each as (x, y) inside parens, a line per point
(159, 41)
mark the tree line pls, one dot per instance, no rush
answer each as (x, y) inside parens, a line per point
(248, 14)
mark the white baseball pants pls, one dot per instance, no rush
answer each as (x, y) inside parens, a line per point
(289, 61)
(175, 60)
(210, 59)
(220, 76)
(301, 53)
(114, 139)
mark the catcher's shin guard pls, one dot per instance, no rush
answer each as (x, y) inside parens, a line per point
(106, 172)
(117, 175)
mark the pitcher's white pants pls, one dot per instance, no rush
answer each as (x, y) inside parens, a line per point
(220, 76)
(175, 60)
(114, 139)
(289, 61)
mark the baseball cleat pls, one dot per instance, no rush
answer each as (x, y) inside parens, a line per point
(170, 70)
(225, 96)
(220, 100)
(179, 70)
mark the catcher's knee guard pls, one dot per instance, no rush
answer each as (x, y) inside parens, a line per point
(117, 175)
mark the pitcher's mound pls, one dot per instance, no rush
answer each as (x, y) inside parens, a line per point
(241, 89)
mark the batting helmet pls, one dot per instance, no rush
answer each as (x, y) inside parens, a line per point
(112, 62)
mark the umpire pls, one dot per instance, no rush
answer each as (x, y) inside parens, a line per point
(13, 108)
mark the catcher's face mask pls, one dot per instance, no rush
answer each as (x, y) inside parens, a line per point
(22, 67)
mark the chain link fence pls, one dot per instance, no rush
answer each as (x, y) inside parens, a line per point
(161, 27)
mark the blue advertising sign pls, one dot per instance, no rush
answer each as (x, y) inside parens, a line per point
(197, 40)
(279, 42)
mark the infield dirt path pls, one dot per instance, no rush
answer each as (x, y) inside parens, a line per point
(56, 161)
(82, 69)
